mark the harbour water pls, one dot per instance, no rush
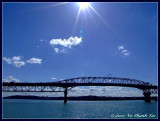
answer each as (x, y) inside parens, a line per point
(56, 109)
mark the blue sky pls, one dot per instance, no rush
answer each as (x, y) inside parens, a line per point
(41, 41)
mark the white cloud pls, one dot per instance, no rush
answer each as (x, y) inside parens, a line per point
(16, 61)
(72, 41)
(18, 64)
(97, 91)
(126, 53)
(105, 91)
(34, 61)
(63, 51)
(10, 79)
(53, 78)
(109, 80)
(56, 50)
(5, 80)
(121, 47)
(123, 51)
(8, 60)
(16, 58)
(43, 40)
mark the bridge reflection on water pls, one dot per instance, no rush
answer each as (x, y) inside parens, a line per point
(67, 84)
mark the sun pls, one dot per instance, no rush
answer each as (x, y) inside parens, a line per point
(83, 5)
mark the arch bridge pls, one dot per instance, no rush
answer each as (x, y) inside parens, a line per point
(67, 84)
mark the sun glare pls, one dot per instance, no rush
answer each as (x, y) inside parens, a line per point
(83, 5)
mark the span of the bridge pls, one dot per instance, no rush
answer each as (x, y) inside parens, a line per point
(67, 84)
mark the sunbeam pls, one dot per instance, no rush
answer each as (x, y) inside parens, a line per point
(100, 17)
(75, 24)
(82, 5)
(48, 6)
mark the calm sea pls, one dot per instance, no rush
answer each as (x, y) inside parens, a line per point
(14, 108)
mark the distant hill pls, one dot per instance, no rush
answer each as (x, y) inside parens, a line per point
(77, 98)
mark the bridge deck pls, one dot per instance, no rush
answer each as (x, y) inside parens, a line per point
(82, 84)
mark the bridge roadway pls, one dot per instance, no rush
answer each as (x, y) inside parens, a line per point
(81, 81)
(81, 84)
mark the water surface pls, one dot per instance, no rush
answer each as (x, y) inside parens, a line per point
(20, 108)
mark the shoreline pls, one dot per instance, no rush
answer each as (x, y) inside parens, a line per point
(79, 98)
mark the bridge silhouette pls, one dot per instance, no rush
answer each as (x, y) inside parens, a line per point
(67, 84)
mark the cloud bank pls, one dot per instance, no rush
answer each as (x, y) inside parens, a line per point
(17, 62)
(72, 41)
(64, 43)
(10, 79)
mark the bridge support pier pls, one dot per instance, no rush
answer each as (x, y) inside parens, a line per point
(65, 95)
(147, 96)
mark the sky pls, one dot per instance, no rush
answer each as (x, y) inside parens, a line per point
(46, 42)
